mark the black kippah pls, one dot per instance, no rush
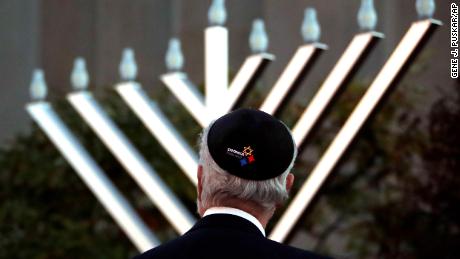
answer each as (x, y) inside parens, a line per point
(251, 144)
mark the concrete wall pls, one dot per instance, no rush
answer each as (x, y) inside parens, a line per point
(19, 54)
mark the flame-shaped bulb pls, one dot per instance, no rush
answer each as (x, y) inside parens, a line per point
(38, 87)
(217, 15)
(174, 58)
(258, 40)
(128, 66)
(367, 16)
(425, 8)
(311, 30)
(79, 77)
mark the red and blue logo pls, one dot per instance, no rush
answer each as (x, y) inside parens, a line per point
(246, 157)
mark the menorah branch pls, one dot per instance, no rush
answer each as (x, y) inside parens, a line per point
(407, 49)
(188, 95)
(132, 161)
(93, 176)
(246, 77)
(291, 77)
(343, 70)
(157, 123)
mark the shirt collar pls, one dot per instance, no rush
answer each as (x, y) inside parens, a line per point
(235, 212)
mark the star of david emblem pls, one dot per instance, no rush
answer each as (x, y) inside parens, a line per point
(247, 151)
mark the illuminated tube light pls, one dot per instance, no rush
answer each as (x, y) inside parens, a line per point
(132, 161)
(367, 16)
(79, 76)
(410, 45)
(188, 95)
(217, 15)
(216, 69)
(356, 51)
(38, 88)
(128, 66)
(425, 8)
(246, 77)
(157, 123)
(174, 58)
(292, 76)
(310, 30)
(93, 176)
(258, 38)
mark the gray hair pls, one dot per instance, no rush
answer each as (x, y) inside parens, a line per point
(218, 185)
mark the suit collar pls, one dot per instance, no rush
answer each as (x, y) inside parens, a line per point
(236, 212)
(227, 221)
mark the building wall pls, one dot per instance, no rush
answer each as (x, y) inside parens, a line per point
(19, 54)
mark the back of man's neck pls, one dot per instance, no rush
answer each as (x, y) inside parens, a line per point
(261, 214)
(236, 212)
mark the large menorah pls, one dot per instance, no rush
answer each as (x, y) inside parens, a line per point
(220, 98)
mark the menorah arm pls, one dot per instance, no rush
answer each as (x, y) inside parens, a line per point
(93, 176)
(292, 76)
(246, 78)
(188, 95)
(161, 128)
(393, 70)
(134, 163)
(343, 71)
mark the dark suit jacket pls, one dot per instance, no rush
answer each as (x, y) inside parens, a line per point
(225, 236)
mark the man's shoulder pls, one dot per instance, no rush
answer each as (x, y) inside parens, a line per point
(286, 251)
(255, 247)
(181, 247)
(225, 236)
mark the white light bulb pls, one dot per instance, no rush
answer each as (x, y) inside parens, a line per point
(367, 16)
(310, 26)
(258, 39)
(425, 8)
(217, 13)
(38, 87)
(128, 66)
(174, 58)
(79, 77)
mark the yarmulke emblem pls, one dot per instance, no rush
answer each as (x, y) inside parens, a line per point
(246, 157)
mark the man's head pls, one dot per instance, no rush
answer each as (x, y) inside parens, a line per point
(245, 161)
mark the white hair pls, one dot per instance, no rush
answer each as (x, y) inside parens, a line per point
(218, 185)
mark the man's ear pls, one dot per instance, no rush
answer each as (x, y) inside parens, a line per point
(199, 175)
(289, 181)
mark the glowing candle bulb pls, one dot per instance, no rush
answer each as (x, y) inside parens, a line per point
(217, 13)
(311, 30)
(258, 40)
(128, 66)
(79, 77)
(38, 87)
(174, 58)
(367, 16)
(425, 8)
